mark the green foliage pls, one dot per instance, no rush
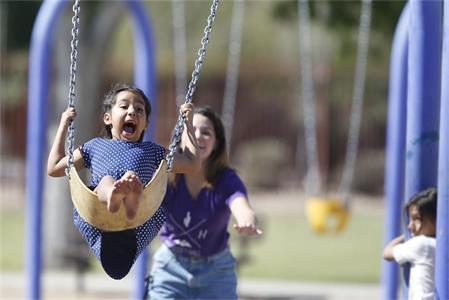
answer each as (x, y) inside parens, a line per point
(19, 20)
(341, 16)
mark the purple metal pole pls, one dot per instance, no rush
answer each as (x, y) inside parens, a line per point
(442, 234)
(395, 163)
(145, 78)
(424, 85)
(36, 137)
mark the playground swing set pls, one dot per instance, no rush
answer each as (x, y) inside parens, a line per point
(319, 209)
(330, 213)
(86, 201)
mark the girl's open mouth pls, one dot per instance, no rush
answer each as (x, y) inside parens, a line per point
(129, 127)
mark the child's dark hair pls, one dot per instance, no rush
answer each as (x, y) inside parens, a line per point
(426, 203)
(111, 98)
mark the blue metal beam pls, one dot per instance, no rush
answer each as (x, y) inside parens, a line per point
(395, 149)
(38, 91)
(424, 88)
(442, 234)
(36, 137)
(145, 78)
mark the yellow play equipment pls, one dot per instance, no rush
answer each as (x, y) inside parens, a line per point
(326, 214)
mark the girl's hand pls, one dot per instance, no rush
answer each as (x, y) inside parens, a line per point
(187, 110)
(68, 116)
(247, 229)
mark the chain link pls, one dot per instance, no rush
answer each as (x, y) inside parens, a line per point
(232, 73)
(312, 185)
(73, 58)
(357, 100)
(313, 180)
(179, 45)
(192, 85)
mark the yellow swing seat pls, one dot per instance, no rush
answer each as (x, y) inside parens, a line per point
(325, 214)
(95, 212)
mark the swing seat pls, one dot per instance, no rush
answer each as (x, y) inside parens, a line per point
(326, 214)
(95, 212)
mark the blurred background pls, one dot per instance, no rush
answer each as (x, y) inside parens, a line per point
(267, 145)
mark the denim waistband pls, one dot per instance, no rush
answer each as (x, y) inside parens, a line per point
(181, 254)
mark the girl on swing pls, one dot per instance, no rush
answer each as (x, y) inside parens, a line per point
(121, 164)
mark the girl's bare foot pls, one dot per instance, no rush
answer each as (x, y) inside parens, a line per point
(119, 191)
(134, 196)
(111, 192)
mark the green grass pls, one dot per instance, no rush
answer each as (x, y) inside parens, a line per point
(12, 242)
(288, 249)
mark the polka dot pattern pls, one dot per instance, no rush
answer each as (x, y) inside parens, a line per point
(114, 157)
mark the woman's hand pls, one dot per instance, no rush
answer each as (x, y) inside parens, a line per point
(245, 217)
(247, 229)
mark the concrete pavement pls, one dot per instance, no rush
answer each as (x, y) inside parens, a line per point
(96, 286)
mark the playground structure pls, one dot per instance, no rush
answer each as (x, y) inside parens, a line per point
(321, 208)
(426, 164)
(418, 132)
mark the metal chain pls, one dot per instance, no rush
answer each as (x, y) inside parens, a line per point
(72, 81)
(312, 185)
(313, 180)
(357, 100)
(232, 73)
(179, 45)
(192, 85)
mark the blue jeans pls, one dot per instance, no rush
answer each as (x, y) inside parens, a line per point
(180, 277)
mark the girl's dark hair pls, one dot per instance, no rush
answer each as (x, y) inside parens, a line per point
(426, 204)
(111, 98)
(218, 159)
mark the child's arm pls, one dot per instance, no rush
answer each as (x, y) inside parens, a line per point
(388, 251)
(57, 160)
(187, 161)
(245, 217)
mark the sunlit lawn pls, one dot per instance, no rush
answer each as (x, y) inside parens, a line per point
(288, 250)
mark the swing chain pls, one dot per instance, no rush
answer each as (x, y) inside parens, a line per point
(357, 100)
(73, 58)
(313, 180)
(192, 85)
(179, 47)
(232, 73)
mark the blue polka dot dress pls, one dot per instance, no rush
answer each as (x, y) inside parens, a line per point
(118, 250)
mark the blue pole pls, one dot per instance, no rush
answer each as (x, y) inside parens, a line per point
(36, 138)
(424, 83)
(442, 234)
(145, 78)
(395, 163)
(144, 63)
